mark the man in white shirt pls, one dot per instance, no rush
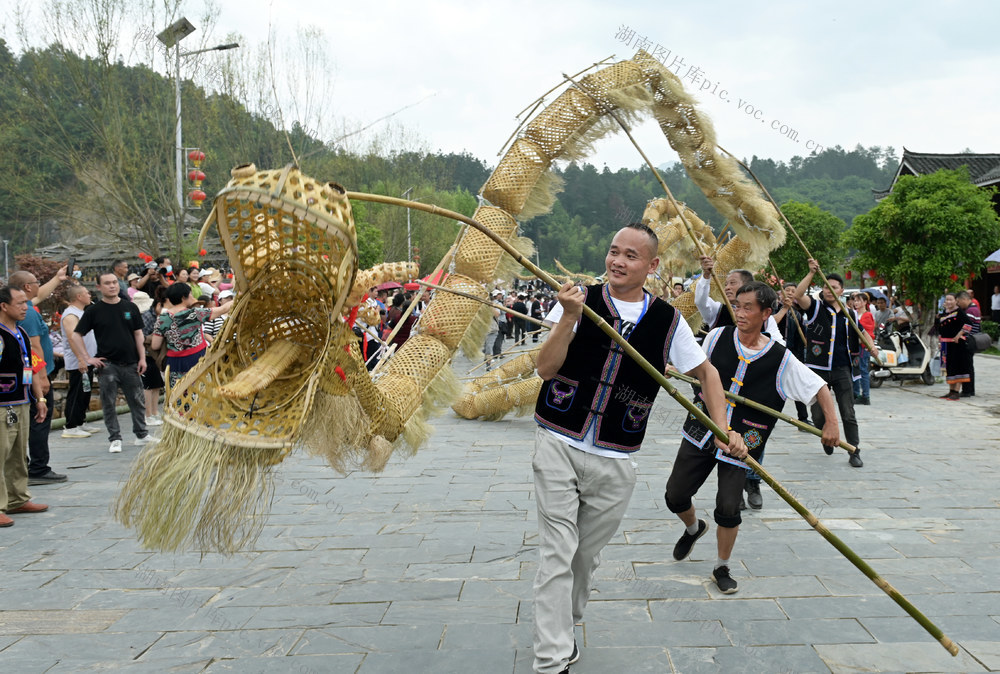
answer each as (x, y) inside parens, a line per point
(592, 412)
(759, 369)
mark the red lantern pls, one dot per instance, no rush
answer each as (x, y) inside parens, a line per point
(196, 157)
(880, 282)
(872, 273)
(196, 177)
(908, 303)
(954, 277)
(203, 252)
(848, 274)
(197, 196)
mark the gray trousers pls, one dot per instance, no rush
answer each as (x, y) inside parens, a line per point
(110, 378)
(581, 500)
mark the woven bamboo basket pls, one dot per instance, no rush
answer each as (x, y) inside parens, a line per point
(447, 316)
(381, 273)
(514, 180)
(477, 256)
(564, 120)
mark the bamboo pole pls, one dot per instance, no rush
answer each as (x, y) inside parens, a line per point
(662, 380)
(663, 184)
(791, 311)
(482, 301)
(865, 339)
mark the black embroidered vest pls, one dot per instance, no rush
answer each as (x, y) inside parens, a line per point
(600, 384)
(823, 326)
(13, 362)
(757, 378)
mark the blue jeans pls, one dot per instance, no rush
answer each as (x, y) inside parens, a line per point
(861, 387)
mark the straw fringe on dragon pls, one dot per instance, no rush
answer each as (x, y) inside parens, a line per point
(286, 374)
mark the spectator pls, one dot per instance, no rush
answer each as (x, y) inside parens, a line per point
(152, 378)
(133, 285)
(151, 279)
(520, 325)
(180, 326)
(193, 275)
(953, 325)
(404, 331)
(15, 359)
(81, 373)
(883, 314)
(214, 326)
(536, 313)
(39, 471)
(866, 320)
(678, 289)
(120, 269)
(120, 360)
(967, 304)
(182, 276)
(995, 305)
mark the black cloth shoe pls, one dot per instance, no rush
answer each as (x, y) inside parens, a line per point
(754, 498)
(725, 582)
(686, 542)
(855, 459)
(50, 477)
(574, 657)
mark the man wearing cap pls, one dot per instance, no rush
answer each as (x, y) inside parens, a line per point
(81, 374)
(214, 326)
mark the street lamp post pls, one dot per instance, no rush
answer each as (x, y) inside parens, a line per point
(171, 36)
(409, 247)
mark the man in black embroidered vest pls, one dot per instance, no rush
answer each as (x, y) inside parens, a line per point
(759, 369)
(592, 412)
(832, 345)
(716, 315)
(15, 380)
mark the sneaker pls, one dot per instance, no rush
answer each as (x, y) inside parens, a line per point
(116, 446)
(754, 498)
(866, 400)
(93, 430)
(725, 582)
(77, 432)
(855, 459)
(148, 440)
(574, 657)
(50, 477)
(154, 421)
(686, 542)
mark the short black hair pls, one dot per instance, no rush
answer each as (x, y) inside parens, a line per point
(5, 296)
(177, 292)
(745, 274)
(963, 295)
(106, 273)
(836, 277)
(648, 231)
(763, 293)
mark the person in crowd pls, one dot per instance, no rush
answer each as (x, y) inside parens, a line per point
(520, 325)
(967, 304)
(831, 344)
(862, 385)
(182, 276)
(18, 387)
(590, 426)
(152, 278)
(120, 269)
(953, 325)
(152, 378)
(403, 333)
(714, 313)
(972, 298)
(180, 326)
(39, 471)
(133, 285)
(535, 311)
(494, 336)
(883, 314)
(759, 369)
(120, 360)
(194, 274)
(81, 373)
(678, 289)
(995, 305)
(214, 326)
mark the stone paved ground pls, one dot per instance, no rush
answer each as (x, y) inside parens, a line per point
(428, 566)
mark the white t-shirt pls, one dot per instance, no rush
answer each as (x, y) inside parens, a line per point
(89, 341)
(797, 381)
(685, 354)
(709, 310)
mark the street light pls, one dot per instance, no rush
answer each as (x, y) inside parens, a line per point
(171, 36)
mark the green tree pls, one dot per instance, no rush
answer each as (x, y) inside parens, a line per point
(820, 230)
(929, 228)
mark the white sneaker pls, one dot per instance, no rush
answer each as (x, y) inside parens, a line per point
(154, 421)
(77, 432)
(93, 430)
(148, 440)
(116, 446)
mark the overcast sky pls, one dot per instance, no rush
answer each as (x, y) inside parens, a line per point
(915, 73)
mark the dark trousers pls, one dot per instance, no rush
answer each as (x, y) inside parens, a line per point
(802, 411)
(969, 387)
(38, 440)
(111, 377)
(691, 469)
(77, 400)
(839, 379)
(518, 329)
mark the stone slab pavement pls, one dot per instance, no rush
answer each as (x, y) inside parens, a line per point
(427, 567)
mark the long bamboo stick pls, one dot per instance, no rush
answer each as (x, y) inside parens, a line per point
(482, 301)
(663, 184)
(661, 379)
(791, 312)
(865, 338)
